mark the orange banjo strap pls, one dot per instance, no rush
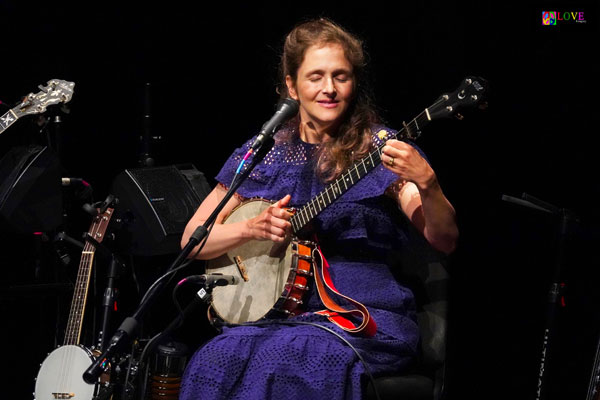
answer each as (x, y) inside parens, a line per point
(334, 312)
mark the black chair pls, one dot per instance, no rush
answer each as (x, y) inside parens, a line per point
(423, 270)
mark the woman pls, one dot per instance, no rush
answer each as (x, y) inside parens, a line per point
(321, 68)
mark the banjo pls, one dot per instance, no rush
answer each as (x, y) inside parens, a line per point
(56, 91)
(61, 373)
(274, 276)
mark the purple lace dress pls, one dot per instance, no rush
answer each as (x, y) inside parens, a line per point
(305, 362)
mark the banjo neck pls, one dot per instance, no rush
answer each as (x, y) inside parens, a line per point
(56, 91)
(470, 93)
(74, 323)
(303, 216)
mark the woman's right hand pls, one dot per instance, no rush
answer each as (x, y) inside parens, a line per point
(273, 223)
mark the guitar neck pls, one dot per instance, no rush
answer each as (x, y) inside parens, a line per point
(344, 182)
(7, 120)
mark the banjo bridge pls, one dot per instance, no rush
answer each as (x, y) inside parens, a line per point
(241, 268)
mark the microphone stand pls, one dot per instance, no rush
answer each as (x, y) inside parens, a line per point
(129, 327)
(110, 291)
(556, 287)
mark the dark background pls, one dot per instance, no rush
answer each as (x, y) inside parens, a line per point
(213, 72)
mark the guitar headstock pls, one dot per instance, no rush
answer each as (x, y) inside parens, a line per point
(99, 224)
(471, 93)
(56, 91)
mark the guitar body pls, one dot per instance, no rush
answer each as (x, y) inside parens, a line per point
(61, 375)
(273, 276)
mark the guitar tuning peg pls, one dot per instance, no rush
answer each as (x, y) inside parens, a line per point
(459, 117)
(483, 105)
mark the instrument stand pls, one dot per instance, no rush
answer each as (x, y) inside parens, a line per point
(146, 159)
(110, 292)
(566, 217)
(109, 297)
(51, 125)
(105, 390)
(129, 327)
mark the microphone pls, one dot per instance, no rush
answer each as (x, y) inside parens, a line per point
(286, 109)
(213, 279)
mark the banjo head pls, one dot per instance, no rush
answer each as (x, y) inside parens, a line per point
(265, 264)
(62, 373)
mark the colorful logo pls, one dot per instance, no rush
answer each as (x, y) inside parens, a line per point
(549, 17)
(552, 17)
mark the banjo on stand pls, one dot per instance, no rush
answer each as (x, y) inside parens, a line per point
(61, 373)
(274, 276)
(56, 91)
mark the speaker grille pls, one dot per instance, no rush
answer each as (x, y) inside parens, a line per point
(30, 190)
(155, 205)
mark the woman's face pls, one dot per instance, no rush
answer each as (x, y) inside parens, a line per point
(324, 86)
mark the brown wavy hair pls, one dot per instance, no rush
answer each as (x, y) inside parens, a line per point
(353, 139)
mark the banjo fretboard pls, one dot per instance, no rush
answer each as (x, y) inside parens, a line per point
(354, 174)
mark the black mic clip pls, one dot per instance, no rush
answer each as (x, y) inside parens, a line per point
(58, 241)
(100, 207)
(213, 280)
(102, 249)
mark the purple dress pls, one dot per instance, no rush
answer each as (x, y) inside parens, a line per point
(305, 362)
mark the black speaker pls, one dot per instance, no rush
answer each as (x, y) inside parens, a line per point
(155, 205)
(30, 190)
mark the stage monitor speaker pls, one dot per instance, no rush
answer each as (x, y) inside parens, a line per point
(155, 205)
(30, 190)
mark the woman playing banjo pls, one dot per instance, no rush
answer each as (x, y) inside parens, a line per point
(321, 67)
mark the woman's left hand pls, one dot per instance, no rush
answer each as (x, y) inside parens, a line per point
(405, 161)
(423, 201)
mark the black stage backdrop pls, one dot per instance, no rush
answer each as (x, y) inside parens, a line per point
(213, 72)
